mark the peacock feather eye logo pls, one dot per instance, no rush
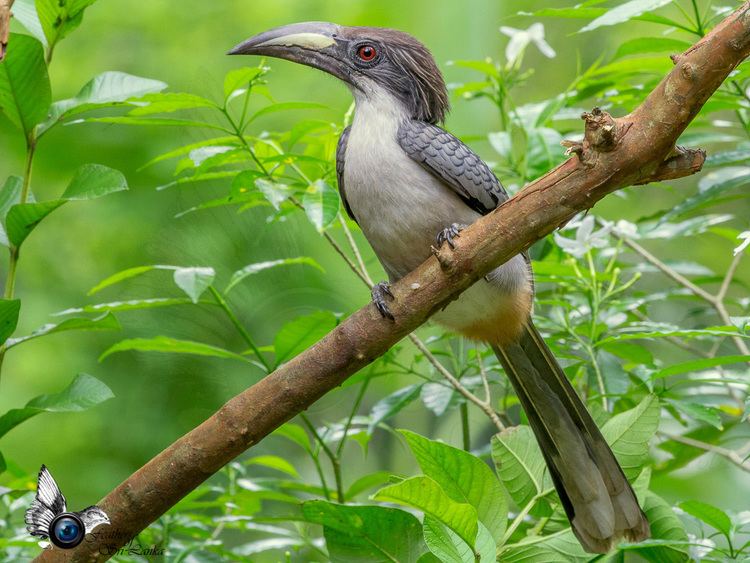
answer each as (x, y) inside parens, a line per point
(48, 515)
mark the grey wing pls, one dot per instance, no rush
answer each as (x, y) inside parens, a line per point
(92, 517)
(340, 159)
(48, 503)
(452, 161)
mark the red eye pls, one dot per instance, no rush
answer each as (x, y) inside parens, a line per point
(367, 53)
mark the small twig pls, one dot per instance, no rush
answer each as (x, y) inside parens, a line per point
(666, 270)
(485, 380)
(331, 456)
(484, 406)
(355, 249)
(731, 455)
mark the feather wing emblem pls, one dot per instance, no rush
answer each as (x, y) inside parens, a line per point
(48, 503)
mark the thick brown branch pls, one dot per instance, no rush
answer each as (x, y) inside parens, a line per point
(632, 151)
(5, 14)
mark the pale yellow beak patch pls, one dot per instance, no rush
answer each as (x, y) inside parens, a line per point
(315, 41)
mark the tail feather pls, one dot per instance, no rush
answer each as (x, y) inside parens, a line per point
(593, 489)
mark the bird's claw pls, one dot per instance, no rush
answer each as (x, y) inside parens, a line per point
(448, 234)
(379, 293)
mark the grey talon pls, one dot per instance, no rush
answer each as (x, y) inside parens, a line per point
(448, 234)
(379, 293)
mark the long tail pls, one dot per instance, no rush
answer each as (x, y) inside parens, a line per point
(599, 502)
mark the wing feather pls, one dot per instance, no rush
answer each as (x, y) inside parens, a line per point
(340, 159)
(452, 161)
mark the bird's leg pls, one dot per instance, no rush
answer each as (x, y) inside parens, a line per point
(448, 234)
(379, 292)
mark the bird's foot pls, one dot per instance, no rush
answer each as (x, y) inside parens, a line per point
(448, 234)
(381, 291)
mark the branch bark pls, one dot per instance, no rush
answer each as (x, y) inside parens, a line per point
(5, 15)
(615, 153)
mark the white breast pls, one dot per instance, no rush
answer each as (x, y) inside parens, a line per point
(399, 205)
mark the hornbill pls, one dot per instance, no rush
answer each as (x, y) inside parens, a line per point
(407, 183)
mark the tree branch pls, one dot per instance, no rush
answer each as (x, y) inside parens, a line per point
(5, 15)
(633, 149)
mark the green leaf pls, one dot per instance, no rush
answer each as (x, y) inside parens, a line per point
(187, 149)
(301, 333)
(240, 78)
(625, 12)
(366, 482)
(739, 156)
(274, 192)
(392, 404)
(24, 217)
(104, 90)
(194, 281)
(171, 346)
(711, 187)
(126, 275)
(106, 321)
(702, 413)
(152, 121)
(25, 93)
(284, 106)
(709, 514)
(10, 194)
(24, 12)
(665, 526)
(167, 102)
(251, 269)
(9, 310)
(699, 365)
(321, 203)
(426, 495)
(295, 433)
(628, 434)
(465, 478)
(365, 534)
(83, 393)
(450, 548)
(59, 18)
(642, 45)
(273, 462)
(129, 305)
(519, 463)
(552, 548)
(92, 181)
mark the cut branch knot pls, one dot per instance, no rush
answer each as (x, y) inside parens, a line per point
(602, 132)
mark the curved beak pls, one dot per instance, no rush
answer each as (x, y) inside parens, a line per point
(315, 44)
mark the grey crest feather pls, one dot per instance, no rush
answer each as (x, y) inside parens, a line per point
(452, 161)
(48, 503)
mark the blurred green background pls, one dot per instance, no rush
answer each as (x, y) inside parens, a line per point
(160, 397)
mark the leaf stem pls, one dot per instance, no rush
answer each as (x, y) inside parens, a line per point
(335, 463)
(240, 328)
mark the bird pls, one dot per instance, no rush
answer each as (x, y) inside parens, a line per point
(409, 184)
(48, 515)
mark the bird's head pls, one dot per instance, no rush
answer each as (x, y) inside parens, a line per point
(365, 58)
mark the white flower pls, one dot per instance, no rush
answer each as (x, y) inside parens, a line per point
(745, 238)
(625, 229)
(520, 39)
(700, 547)
(586, 238)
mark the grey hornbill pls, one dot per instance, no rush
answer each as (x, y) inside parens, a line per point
(406, 181)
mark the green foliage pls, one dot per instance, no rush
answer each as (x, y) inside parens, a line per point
(647, 337)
